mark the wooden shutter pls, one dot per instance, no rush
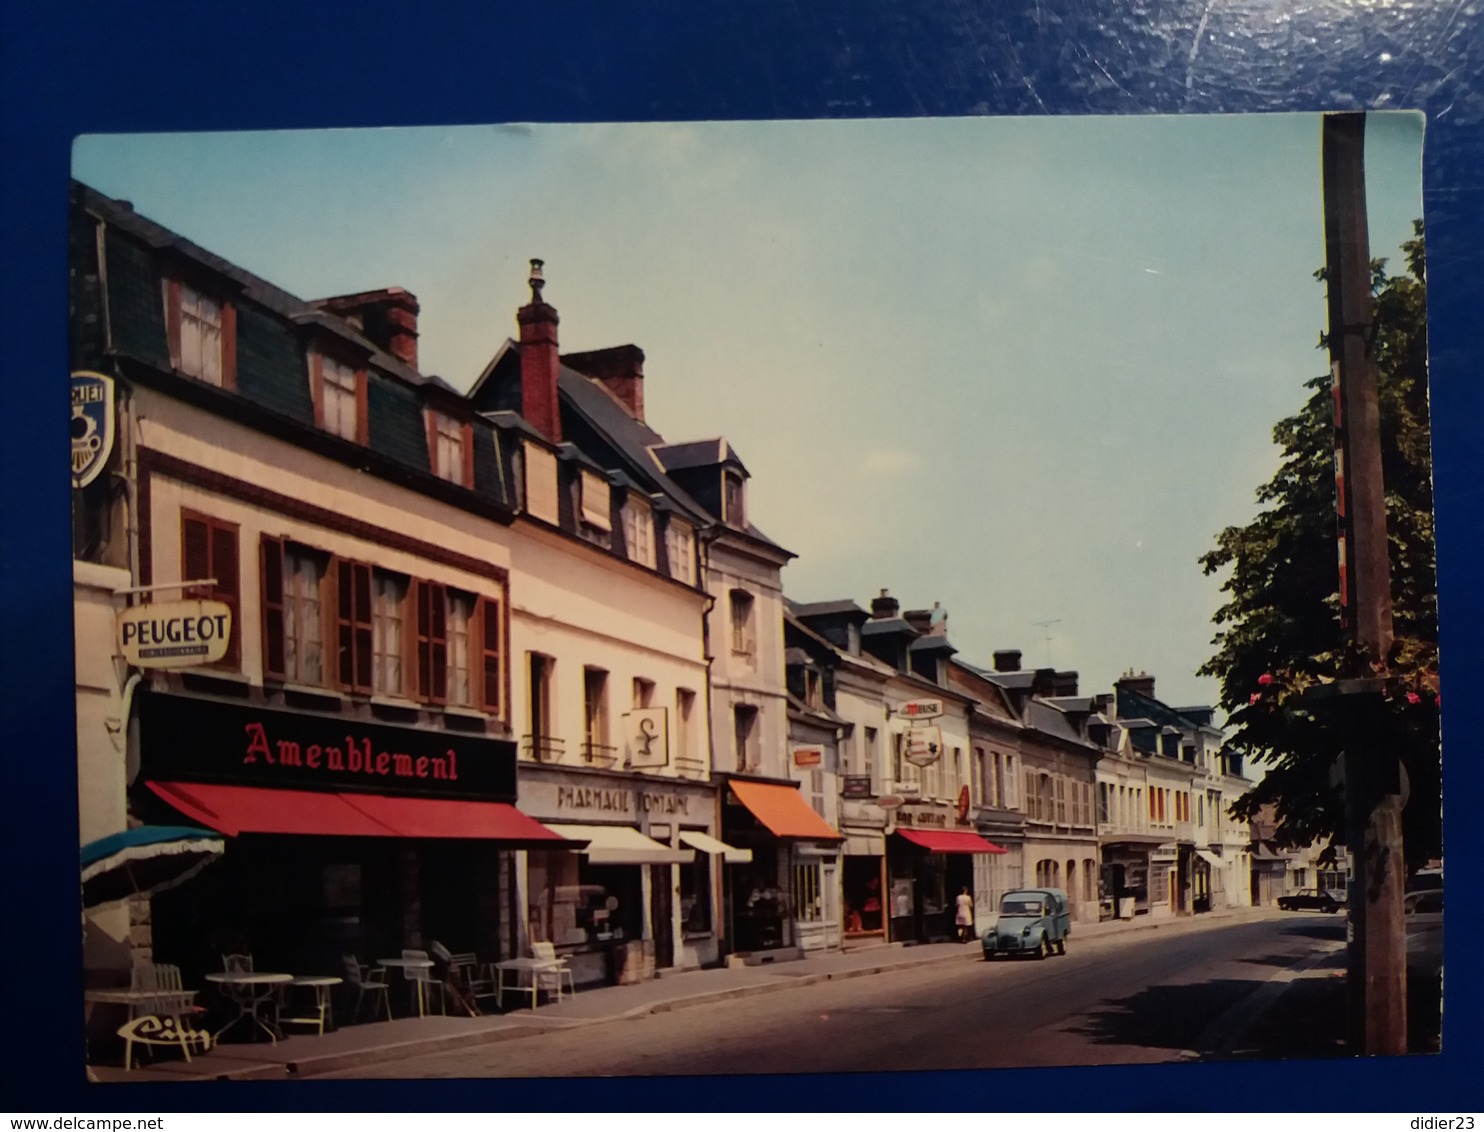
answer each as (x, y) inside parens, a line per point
(271, 554)
(224, 568)
(363, 420)
(353, 624)
(229, 346)
(195, 553)
(485, 659)
(432, 642)
(430, 430)
(469, 456)
(172, 320)
(208, 549)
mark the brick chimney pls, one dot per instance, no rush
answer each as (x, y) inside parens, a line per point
(1143, 683)
(387, 318)
(539, 361)
(1007, 660)
(620, 368)
(884, 608)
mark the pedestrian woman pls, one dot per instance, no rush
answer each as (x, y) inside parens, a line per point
(964, 916)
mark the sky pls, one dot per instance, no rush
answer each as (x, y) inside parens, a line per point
(1027, 368)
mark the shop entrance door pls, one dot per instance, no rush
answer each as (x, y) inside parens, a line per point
(661, 914)
(830, 890)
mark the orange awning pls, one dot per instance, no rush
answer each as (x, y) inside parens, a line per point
(783, 810)
(235, 810)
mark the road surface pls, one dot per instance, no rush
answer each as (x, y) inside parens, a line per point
(1182, 992)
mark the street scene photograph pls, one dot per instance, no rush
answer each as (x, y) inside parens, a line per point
(754, 597)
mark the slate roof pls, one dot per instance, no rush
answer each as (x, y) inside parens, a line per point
(821, 608)
(697, 454)
(932, 642)
(1050, 720)
(882, 625)
(273, 341)
(122, 216)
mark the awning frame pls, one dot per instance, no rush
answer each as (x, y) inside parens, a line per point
(621, 845)
(705, 843)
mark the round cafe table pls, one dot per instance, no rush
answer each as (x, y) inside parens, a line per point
(320, 1014)
(408, 966)
(248, 990)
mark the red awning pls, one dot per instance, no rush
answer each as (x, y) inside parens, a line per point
(783, 811)
(950, 841)
(235, 810)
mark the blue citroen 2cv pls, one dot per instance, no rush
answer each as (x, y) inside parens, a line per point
(1032, 921)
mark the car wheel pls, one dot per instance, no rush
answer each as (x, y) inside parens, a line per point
(1044, 949)
(1061, 946)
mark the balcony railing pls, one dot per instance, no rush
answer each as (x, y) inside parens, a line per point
(543, 748)
(599, 754)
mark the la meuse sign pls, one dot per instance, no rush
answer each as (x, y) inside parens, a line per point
(194, 739)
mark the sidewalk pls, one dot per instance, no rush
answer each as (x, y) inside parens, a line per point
(305, 1055)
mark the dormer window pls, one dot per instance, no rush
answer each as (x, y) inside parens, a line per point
(202, 334)
(638, 531)
(680, 548)
(813, 689)
(451, 447)
(594, 502)
(733, 511)
(339, 397)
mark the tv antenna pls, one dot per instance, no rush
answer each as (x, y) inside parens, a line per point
(1046, 625)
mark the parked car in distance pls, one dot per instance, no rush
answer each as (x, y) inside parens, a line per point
(1422, 919)
(1319, 899)
(1032, 921)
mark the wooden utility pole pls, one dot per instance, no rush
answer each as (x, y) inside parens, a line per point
(1373, 803)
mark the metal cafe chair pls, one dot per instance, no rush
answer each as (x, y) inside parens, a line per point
(367, 981)
(422, 981)
(550, 975)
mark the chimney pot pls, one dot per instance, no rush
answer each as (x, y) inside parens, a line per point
(885, 607)
(1007, 660)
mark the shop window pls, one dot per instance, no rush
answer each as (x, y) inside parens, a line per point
(860, 882)
(680, 548)
(744, 735)
(806, 896)
(388, 636)
(577, 904)
(695, 896)
(339, 397)
(596, 747)
(202, 334)
(450, 448)
(638, 531)
(744, 636)
(209, 550)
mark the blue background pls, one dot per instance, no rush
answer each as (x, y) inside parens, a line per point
(105, 66)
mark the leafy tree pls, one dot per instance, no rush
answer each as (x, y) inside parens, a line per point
(1279, 631)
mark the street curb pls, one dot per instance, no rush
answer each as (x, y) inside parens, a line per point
(416, 1047)
(309, 1067)
(1227, 1029)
